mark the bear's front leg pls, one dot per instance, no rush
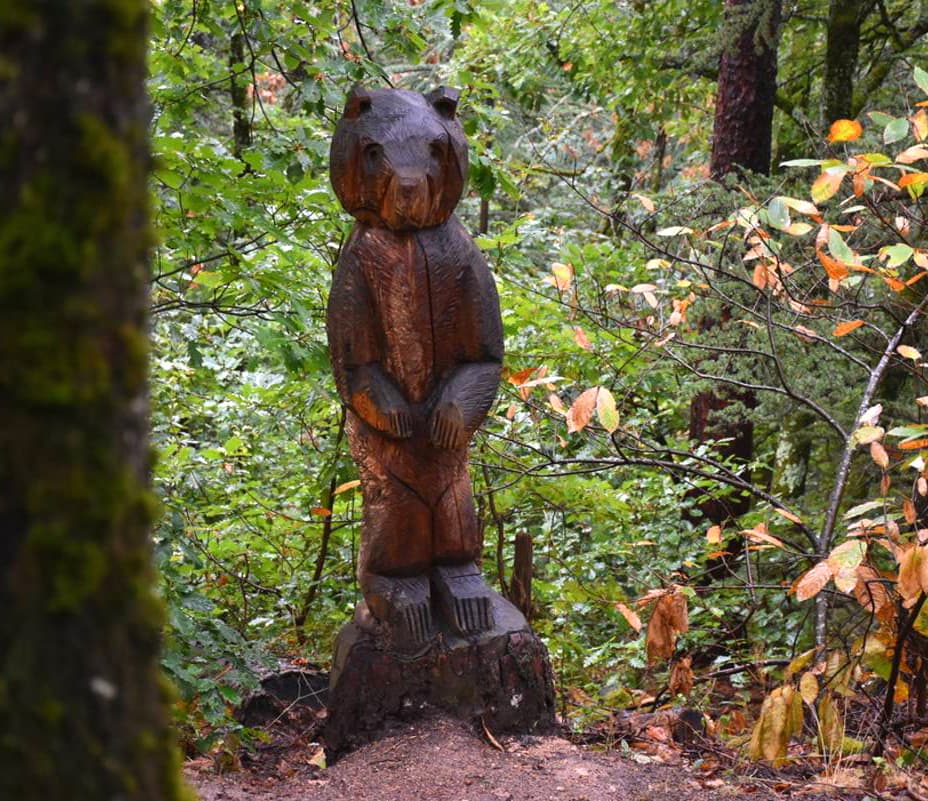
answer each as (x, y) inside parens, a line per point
(376, 399)
(462, 402)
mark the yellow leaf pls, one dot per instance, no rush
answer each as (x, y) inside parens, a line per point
(813, 581)
(908, 352)
(799, 662)
(913, 573)
(563, 275)
(808, 687)
(830, 723)
(867, 434)
(775, 725)
(802, 206)
(606, 411)
(348, 485)
(644, 201)
(826, 185)
(714, 535)
(845, 131)
(919, 122)
(581, 410)
(842, 329)
(788, 515)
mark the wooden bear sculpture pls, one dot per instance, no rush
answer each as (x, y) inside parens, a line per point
(416, 342)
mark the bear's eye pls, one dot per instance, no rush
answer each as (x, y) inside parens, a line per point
(437, 149)
(372, 153)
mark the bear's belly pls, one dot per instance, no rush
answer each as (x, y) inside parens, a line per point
(406, 320)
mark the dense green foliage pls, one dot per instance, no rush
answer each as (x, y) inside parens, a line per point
(590, 126)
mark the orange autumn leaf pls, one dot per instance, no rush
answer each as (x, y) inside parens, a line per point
(913, 178)
(813, 581)
(842, 329)
(836, 270)
(630, 615)
(845, 131)
(581, 410)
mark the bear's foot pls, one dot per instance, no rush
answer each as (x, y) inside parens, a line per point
(404, 606)
(465, 598)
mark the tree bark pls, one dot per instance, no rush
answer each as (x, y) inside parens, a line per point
(844, 19)
(82, 708)
(520, 591)
(742, 131)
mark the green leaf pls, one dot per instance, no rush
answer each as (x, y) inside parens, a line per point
(896, 255)
(839, 248)
(778, 214)
(862, 508)
(896, 130)
(921, 78)
(880, 117)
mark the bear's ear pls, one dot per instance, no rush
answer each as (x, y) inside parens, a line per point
(359, 101)
(444, 100)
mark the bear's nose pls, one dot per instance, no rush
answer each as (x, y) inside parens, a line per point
(409, 197)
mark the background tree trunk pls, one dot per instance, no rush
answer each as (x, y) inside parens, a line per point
(844, 19)
(741, 140)
(742, 131)
(82, 707)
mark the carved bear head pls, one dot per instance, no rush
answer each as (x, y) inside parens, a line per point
(399, 158)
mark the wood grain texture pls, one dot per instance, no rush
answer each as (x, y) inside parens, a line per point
(416, 342)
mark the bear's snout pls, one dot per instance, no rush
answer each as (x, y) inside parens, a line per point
(407, 202)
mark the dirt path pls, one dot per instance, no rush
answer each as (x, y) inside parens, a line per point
(443, 760)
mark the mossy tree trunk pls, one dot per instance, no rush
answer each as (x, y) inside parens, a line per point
(843, 43)
(743, 129)
(82, 708)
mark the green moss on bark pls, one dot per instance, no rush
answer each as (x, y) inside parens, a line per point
(82, 708)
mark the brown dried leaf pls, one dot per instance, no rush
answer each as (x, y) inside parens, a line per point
(870, 591)
(668, 619)
(681, 677)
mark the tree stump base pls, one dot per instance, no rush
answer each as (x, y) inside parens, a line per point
(501, 676)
